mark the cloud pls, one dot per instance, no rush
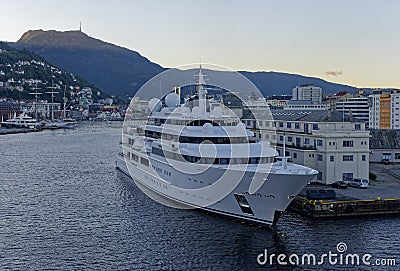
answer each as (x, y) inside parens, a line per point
(333, 73)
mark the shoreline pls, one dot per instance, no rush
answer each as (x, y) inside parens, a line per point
(8, 131)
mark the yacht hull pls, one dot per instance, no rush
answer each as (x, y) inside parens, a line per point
(263, 207)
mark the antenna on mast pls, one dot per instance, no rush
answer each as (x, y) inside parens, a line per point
(36, 93)
(80, 26)
(202, 91)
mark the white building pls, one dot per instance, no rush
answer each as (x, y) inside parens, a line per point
(356, 107)
(385, 145)
(307, 93)
(305, 105)
(384, 109)
(278, 100)
(321, 139)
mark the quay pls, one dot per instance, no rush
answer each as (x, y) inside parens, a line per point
(381, 198)
(6, 131)
(345, 208)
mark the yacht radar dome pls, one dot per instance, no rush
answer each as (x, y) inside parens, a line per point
(172, 100)
(196, 112)
(155, 105)
(217, 112)
(207, 128)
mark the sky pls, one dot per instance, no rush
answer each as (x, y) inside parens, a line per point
(343, 41)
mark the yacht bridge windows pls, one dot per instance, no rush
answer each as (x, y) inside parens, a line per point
(207, 160)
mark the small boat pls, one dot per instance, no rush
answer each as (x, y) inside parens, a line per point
(59, 124)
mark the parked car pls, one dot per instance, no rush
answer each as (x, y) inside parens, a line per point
(340, 185)
(385, 161)
(359, 183)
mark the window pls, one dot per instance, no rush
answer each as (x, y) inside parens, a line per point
(254, 160)
(319, 176)
(266, 123)
(298, 141)
(266, 136)
(348, 143)
(296, 126)
(305, 127)
(347, 157)
(290, 139)
(281, 138)
(332, 158)
(387, 155)
(397, 155)
(347, 176)
(315, 126)
(357, 126)
(224, 161)
(319, 142)
(289, 125)
(363, 157)
(306, 140)
(319, 157)
(144, 161)
(281, 124)
(158, 151)
(295, 155)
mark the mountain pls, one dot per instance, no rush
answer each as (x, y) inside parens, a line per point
(275, 83)
(114, 69)
(22, 71)
(121, 72)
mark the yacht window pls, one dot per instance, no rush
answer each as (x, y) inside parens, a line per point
(144, 161)
(254, 160)
(224, 161)
(157, 151)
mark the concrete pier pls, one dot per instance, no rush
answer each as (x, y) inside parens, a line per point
(381, 198)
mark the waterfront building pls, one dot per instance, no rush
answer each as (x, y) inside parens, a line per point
(278, 100)
(356, 107)
(307, 93)
(326, 140)
(42, 109)
(305, 105)
(8, 109)
(333, 99)
(385, 145)
(384, 109)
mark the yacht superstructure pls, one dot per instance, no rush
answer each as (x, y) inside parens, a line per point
(21, 121)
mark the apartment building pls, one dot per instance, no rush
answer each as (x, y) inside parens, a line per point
(384, 109)
(326, 140)
(307, 93)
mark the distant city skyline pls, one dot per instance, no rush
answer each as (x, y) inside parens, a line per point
(350, 42)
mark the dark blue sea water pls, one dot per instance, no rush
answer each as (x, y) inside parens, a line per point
(63, 206)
